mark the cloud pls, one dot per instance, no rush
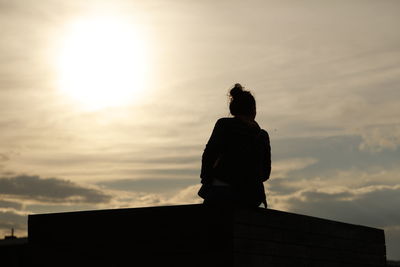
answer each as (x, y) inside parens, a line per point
(379, 137)
(374, 206)
(13, 219)
(282, 168)
(124, 199)
(14, 215)
(49, 190)
(10, 204)
(187, 195)
(337, 158)
(182, 195)
(156, 185)
(4, 157)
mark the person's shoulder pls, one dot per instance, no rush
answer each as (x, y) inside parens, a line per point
(264, 133)
(224, 121)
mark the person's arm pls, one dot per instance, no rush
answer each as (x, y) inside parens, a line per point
(211, 153)
(266, 163)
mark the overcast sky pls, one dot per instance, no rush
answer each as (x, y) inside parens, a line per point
(108, 104)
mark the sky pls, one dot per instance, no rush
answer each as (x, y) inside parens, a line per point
(109, 104)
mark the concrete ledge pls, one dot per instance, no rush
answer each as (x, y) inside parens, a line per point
(193, 235)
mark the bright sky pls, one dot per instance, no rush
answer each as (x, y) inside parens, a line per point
(107, 104)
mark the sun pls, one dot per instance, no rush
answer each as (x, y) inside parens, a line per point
(103, 63)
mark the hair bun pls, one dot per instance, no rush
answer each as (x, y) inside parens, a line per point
(236, 90)
(242, 102)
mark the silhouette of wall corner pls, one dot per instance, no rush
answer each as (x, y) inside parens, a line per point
(193, 235)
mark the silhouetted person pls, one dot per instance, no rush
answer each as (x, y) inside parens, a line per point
(237, 157)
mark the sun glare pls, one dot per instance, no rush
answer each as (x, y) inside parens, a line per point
(103, 63)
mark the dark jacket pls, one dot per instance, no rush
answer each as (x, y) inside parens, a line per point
(239, 154)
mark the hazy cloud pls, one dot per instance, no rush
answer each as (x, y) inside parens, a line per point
(3, 157)
(149, 185)
(11, 215)
(332, 154)
(126, 199)
(10, 204)
(283, 167)
(49, 190)
(12, 219)
(374, 206)
(379, 137)
(187, 195)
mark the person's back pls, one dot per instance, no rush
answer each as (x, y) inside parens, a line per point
(236, 160)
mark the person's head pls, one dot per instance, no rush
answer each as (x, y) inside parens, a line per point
(242, 103)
